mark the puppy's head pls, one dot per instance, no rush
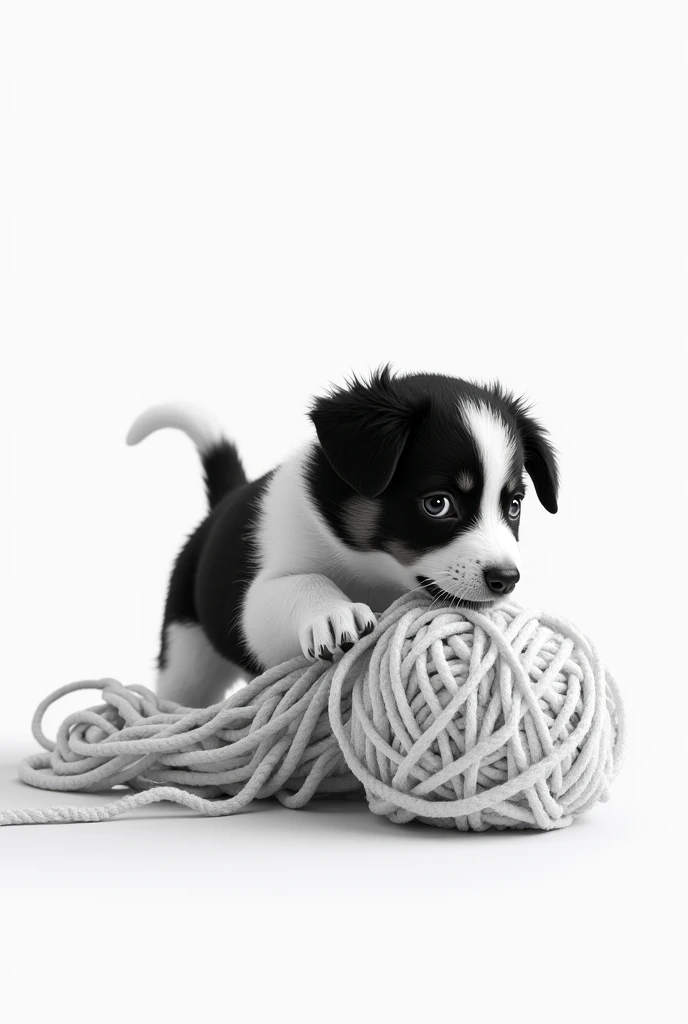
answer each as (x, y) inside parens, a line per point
(430, 469)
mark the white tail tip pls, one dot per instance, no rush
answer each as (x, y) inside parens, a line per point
(202, 429)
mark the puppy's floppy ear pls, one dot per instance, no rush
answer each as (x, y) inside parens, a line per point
(540, 458)
(363, 429)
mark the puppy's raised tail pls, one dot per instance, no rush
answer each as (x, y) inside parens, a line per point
(222, 468)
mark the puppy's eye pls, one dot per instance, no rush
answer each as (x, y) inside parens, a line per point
(439, 506)
(514, 508)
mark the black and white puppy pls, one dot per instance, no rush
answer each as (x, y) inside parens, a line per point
(412, 481)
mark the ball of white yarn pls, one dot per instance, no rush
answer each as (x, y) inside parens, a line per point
(470, 720)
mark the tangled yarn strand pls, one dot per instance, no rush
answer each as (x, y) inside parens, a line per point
(258, 763)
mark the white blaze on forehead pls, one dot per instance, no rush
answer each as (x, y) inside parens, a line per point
(495, 444)
(496, 451)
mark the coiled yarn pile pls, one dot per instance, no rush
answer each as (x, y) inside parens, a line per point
(463, 719)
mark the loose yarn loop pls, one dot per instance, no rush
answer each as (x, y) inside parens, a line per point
(504, 719)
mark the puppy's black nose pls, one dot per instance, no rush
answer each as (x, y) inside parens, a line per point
(501, 580)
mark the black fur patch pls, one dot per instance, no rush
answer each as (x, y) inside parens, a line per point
(222, 470)
(213, 572)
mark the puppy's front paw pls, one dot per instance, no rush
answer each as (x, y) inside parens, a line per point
(336, 628)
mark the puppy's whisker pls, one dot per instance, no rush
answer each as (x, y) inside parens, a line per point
(453, 598)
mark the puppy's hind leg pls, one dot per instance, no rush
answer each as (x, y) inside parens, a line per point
(191, 672)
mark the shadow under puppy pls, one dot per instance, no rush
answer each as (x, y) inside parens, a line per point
(412, 481)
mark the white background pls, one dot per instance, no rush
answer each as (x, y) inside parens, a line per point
(237, 205)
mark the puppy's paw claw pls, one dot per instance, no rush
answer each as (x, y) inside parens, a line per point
(335, 629)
